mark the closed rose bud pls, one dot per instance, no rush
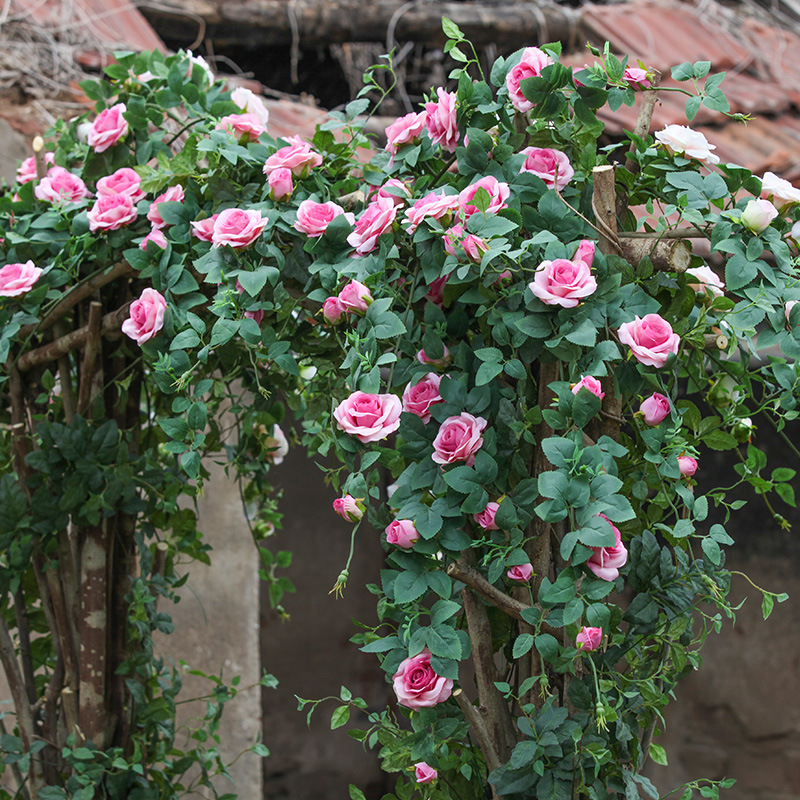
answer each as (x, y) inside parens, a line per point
(743, 430)
(687, 465)
(757, 215)
(332, 311)
(424, 773)
(486, 518)
(655, 409)
(589, 638)
(349, 508)
(402, 533)
(355, 298)
(280, 184)
(585, 252)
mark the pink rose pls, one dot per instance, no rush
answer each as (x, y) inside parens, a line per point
(299, 157)
(521, 573)
(250, 103)
(486, 517)
(397, 185)
(655, 409)
(458, 439)
(404, 130)
(313, 218)
(531, 65)
(108, 128)
(417, 685)
(173, 195)
(156, 236)
(402, 533)
(585, 252)
(61, 186)
(551, 165)
(780, 191)
(757, 215)
(435, 362)
(650, 339)
(435, 291)
(280, 184)
(275, 445)
(146, 316)
(123, 181)
(606, 561)
(203, 229)
(238, 228)
(26, 172)
(348, 508)
(589, 638)
(473, 246)
(590, 384)
(440, 120)
(435, 205)
(424, 773)
(563, 282)
(332, 311)
(110, 212)
(687, 465)
(683, 141)
(369, 417)
(498, 194)
(376, 219)
(257, 316)
(355, 298)
(708, 282)
(419, 397)
(240, 125)
(17, 279)
(637, 78)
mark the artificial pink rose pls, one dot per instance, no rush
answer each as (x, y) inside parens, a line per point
(355, 298)
(257, 316)
(780, 191)
(404, 130)
(348, 508)
(369, 417)
(458, 439)
(156, 236)
(440, 120)
(505, 275)
(521, 573)
(683, 141)
(549, 164)
(637, 78)
(26, 172)
(123, 181)
(398, 186)
(203, 229)
(250, 103)
(486, 518)
(375, 220)
(435, 362)
(111, 212)
(237, 227)
(531, 65)
(650, 339)
(61, 186)
(146, 316)
(585, 252)
(419, 397)
(275, 445)
(435, 291)
(591, 384)
(563, 282)
(498, 194)
(313, 218)
(417, 685)
(606, 561)
(425, 773)
(708, 282)
(402, 533)
(108, 128)
(473, 246)
(299, 157)
(655, 409)
(787, 309)
(280, 184)
(240, 125)
(435, 205)
(757, 215)
(687, 465)
(17, 279)
(589, 638)
(332, 311)
(173, 195)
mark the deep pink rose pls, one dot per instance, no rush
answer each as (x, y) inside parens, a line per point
(238, 228)
(108, 128)
(473, 246)
(419, 397)
(348, 508)
(498, 194)
(17, 279)
(440, 120)
(606, 561)
(486, 517)
(650, 339)
(655, 409)
(240, 125)
(111, 212)
(369, 417)
(435, 291)
(562, 282)
(375, 220)
(637, 78)
(61, 186)
(551, 165)
(355, 298)
(313, 218)
(26, 172)
(299, 157)
(404, 130)
(589, 638)
(591, 384)
(459, 438)
(417, 685)
(402, 533)
(425, 773)
(585, 252)
(332, 311)
(156, 236)
(123, 181)
(146, 316)
(531, 65)
(435, 362)
(434, 205)
(204, 229)
(522, 573)
(173, 195)
(687, 465)
(280, 184)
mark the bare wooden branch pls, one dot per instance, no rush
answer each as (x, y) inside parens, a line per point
(23, 631)
(39, 157)
(477, 725)
(683, 232)
(716, 340)
(644, 119)
(604, 204)
(667, 255)
(90, 355)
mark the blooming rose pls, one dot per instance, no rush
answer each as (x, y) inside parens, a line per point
(238, 227)
(173, 195)
(757, 215)
(299, 157)
(61, 186)
(203, 229)
(780, 191)
(369, 417)
(203, 64)
(146, 316)
(110, 212)
(606, 561)
(637, 78)
(687, 465)
(434, 205)
(708, 282)
(419, 397)
(498, 194)
(486, 517)
(156, 236)
(531, 65)
(240, 125)
(425, 773)
(17, 279)
(585, 252)
(440, 120)
(458, 439)
(123, 181)
(591, 384)
(404, 130)
(683, 141)
(250, 103)
(473, 246)
(313, 218)
(109, 127)
(280, 184)
(26, 172)
(402, 532)
(521, 573)
(275, 445)
(655, 409)
(348, 508)
(376, 219)
(589, 638)
(332, 311)
(355, 298)
(650, 339)
(417, 685)
(551, 165)
(435, 362)
(563, 282)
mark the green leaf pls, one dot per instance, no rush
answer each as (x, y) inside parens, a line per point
(658, 754)
(451, 30)
(522, 644)
(340, 717)
(487, 372)
(175, 427)
(409, 586)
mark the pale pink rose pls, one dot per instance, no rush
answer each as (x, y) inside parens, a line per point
(637, 78)
(313, 218)
(606, 561)
(146, 316)
(655, 409)
(156, 236)
(203, 229)
(708, 282)
(26, 172)
(473, 246)
(355, 298)
(521, 572)
(486, 518)
(780, 191)
(591, 384)
(299, 157)
(425, 773)
(531, 65)
(435, 362)
(435, 205)
(402, 533)
(787, 309)
(551, 165)
(203, 64)
(589, 638)
(687, 465)
(369, 417)
(173, 195)
(458, 439)
(417, 685)
(404, 130)
(17, 279)
(61, 186)
(419, 397)
(375, 220)
(435, 291)
(683, 141)
(398, 186)
(111, 212)
(498, 194)
(108, 128)
(757, 215)
(238, 227)
(250, 103)
(332, 311)
(585, 252)
(123, 181)
(275, 445)
(348, 508)
(280, 184)
(562, 282)
(650, 339)
(240, 125)
(440, 120)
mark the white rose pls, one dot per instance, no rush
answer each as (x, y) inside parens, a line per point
(680, 140)
(780, 191)
(251, 103)
(707, 280)
(757, 215)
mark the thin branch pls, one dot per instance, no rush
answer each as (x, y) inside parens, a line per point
(644, 120)
(90, 355)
